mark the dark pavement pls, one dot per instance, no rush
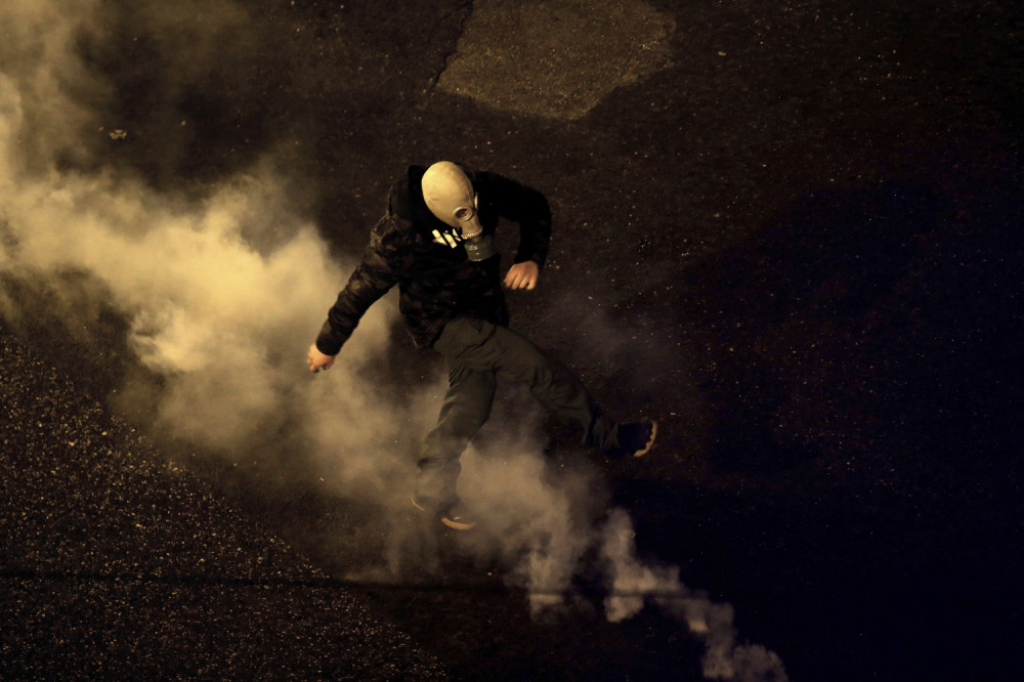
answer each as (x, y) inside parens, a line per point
(789, 231)
(117, 565)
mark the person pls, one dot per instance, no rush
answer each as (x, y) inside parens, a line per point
(436, 242)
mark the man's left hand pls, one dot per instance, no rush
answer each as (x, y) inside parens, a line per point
(523, 275)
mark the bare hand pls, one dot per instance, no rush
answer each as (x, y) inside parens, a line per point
(318, 361)
(523, 275)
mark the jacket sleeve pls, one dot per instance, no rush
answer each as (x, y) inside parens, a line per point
(527, 207)
(372, 278)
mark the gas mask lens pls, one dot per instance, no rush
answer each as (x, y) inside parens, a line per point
(463, 213)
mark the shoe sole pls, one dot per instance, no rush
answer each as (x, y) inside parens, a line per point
(454, 524)
(650, 443)
(457, 525)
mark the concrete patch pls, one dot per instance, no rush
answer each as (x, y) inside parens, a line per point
(556, 58)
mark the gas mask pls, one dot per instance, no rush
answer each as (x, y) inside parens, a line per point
(450, 196)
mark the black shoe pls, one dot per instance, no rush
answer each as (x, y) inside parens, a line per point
(456, 517)
(634, 439)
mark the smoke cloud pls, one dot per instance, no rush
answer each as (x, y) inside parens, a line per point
(222, 291)
(712, 622)
(222, 294)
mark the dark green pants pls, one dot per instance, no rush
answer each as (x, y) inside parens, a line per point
(477, 353)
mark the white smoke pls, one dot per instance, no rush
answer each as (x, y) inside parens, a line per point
(632, 582)
(226, 324)
(223, 294)
(538, 519)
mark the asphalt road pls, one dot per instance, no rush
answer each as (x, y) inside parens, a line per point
(789, 231)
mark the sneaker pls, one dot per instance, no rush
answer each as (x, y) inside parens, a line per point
(456, 517)
(634, 439)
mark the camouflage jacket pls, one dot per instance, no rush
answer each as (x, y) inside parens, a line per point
(436, 283)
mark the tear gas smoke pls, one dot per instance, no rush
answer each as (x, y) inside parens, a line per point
(711, 622)
(221, 295)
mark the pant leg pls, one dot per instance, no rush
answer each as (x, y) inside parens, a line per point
(553, 386)
(485, 346)
(466, 406)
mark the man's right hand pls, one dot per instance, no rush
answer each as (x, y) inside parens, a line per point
(317, 360)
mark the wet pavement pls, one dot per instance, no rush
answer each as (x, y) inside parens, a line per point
(790, 231)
